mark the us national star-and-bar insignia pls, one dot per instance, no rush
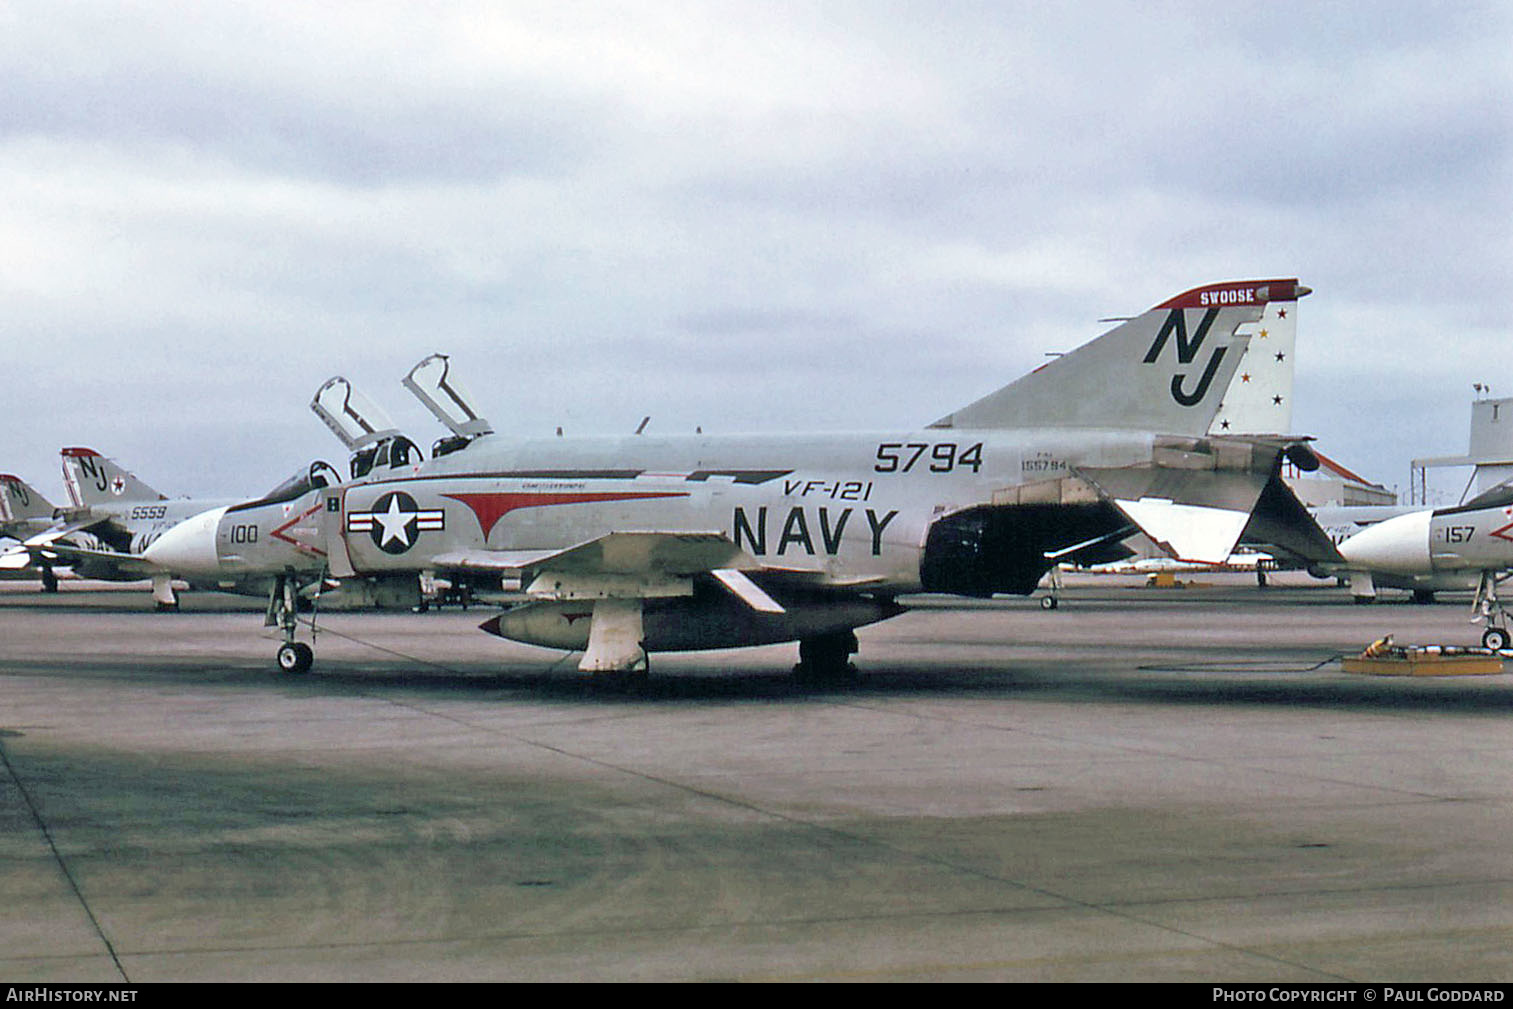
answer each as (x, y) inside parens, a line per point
(396, 522)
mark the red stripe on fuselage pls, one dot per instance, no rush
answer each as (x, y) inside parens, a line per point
(490, 508)
(306, 547)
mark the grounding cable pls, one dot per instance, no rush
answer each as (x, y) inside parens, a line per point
(1246, 666)
(326, 629)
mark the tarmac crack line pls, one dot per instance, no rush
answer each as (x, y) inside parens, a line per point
(73, 884)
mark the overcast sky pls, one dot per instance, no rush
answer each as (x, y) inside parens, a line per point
(745, 216)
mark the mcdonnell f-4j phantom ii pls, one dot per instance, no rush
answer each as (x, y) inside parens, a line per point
(1428, 549)
(25, 513)
(112, 519)
(629, 545)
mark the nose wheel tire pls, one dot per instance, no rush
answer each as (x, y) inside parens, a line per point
(295, 657)
(1495, 639)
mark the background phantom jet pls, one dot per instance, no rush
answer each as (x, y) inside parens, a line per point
(25, 513)
(641, 543)
(113, 518)
(1406, 555)
(1473, 541)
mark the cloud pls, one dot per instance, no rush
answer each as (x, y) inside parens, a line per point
(736, 215)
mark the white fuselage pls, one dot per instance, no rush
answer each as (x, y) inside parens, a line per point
(851, 506)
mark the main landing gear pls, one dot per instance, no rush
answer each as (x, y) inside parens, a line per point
(1489, 608)
(826, 658)
(164, 599)
(1052, 582)
(294, 657)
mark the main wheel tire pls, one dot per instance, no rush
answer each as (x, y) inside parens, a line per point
(824, 659)
(295, 657)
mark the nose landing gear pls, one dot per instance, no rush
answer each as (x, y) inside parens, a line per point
(1489, 608)
(294, 657)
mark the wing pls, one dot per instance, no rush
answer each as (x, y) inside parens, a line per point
(15, 559)
(67, 553)
(52, 546)
(56, 532)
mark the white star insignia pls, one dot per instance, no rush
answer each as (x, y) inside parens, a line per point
(394, 522)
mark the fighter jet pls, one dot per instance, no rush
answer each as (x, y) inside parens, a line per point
(1341, 523)
(25, 513)
(113, 518)
(23, 510)
(631, 545)
(1428, 549)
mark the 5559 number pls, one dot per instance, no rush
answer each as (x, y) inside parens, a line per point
(939, 457)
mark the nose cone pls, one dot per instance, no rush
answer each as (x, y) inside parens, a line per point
(189, 547)
(1399, 545)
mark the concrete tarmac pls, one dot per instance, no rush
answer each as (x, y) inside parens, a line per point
(1144, 784)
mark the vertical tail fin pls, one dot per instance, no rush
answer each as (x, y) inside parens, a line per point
(1259, 397)
(19, 501)
(1165, 370)
(91, 479)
